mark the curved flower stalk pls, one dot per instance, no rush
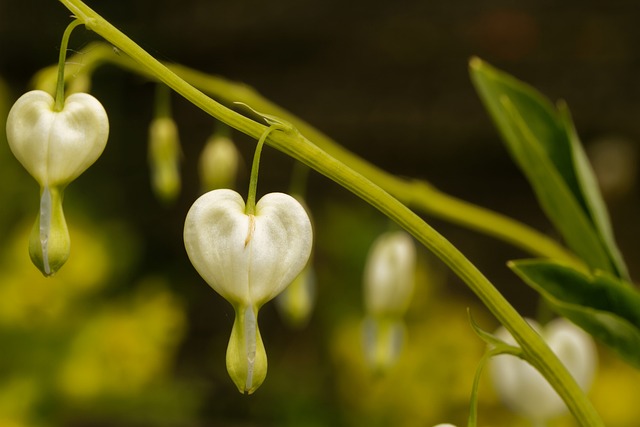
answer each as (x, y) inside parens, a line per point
(248, 258)
(55, 146)
(524, 390)
(389, 280)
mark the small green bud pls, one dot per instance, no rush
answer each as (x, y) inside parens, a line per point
(383, 339)
(49, 243)
(164, 158)
(295, 303)
(246, 356)
(219, 163)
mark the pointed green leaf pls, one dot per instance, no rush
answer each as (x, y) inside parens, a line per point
(591, 192)
(601, 304)
(545, 146)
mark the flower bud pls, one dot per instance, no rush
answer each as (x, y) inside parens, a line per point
(49, 243)
(248, 259)
(389, 278)
(164, 158)
(390, 274)
(296, 302)
(524, 389)
(219, 163)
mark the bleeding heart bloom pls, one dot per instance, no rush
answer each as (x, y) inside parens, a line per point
(55, 147)
(524, 389)
(248, 259)
(389, 279)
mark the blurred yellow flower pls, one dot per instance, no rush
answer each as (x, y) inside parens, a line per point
(127, 346)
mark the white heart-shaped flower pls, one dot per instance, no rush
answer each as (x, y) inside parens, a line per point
(248, 259)
(524, 389)
(57, 146)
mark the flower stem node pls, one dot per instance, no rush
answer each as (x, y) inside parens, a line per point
(248, 258)
(55, 147)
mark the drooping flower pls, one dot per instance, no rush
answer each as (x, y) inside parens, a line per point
(55, 147)
(389, 279)
(248, 259)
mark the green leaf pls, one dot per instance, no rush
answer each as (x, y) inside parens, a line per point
(601, 304)
(591, 192)
(543, 142)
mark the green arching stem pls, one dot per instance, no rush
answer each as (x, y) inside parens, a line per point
(59, 102)
(294, 144)
(417, 194)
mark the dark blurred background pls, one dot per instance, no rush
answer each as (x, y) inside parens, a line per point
(389, 81)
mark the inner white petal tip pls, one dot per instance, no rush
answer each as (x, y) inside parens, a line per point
(250, 330)
(45, 227)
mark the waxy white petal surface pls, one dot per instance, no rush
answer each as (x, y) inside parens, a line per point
(248, 259)
(57, 146)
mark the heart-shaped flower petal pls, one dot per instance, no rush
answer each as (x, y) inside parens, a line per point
(248, 259)
(57, 146)
(524, 389)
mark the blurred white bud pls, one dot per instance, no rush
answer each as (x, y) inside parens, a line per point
(523, 389)
(389, 279)
(389, 274)
(219, 163)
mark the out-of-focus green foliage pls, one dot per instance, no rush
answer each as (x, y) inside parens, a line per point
(600, 303)
(544, 144)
